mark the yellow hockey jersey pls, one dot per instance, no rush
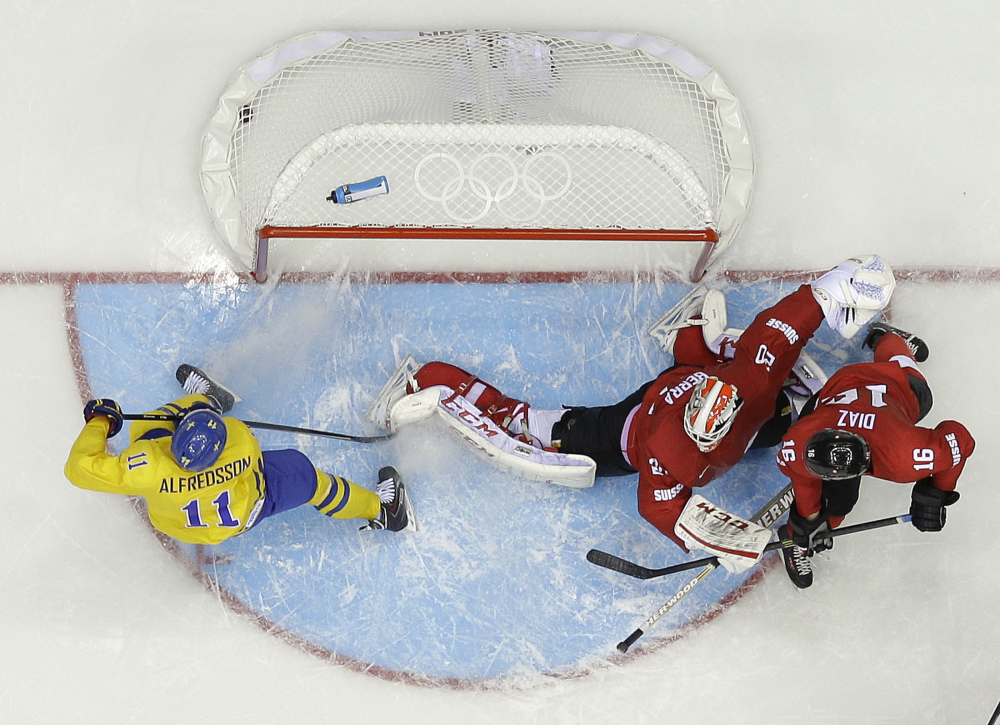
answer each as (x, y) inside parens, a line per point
(203, 507)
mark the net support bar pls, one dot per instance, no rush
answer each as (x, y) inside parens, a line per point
(709, 237)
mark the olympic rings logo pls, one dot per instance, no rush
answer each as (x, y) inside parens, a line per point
(493, 181)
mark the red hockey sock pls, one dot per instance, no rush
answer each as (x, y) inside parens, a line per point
(889, 346)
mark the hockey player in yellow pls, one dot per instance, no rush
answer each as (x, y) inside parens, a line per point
(205, 477)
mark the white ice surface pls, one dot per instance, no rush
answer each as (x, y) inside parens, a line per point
(875, 126)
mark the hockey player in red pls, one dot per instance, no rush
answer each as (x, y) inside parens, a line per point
(698, 418)
(865, 423)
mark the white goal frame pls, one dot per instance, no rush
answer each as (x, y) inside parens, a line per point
(250, 208)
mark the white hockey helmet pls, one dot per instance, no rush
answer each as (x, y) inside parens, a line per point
(710, 412)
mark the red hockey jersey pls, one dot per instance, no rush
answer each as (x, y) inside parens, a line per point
(874, 401)
(654, 441)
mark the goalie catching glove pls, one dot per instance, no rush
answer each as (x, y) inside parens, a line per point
(853, 292)
(737, 543)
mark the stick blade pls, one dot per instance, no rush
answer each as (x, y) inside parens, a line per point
(616, 563)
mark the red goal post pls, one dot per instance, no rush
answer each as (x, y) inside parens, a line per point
(708, 237)
(480, 135)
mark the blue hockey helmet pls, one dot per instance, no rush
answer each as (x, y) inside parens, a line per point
(199, 439)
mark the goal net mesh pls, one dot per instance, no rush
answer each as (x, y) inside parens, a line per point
(477, 130)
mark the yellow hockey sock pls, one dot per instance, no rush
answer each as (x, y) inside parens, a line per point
(342, 499)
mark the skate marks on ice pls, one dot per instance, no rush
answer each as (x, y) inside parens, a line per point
(494, 590)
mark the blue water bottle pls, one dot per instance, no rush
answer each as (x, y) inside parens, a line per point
(361, 190)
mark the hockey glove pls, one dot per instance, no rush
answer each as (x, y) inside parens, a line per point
(813, 536)
(105, 408)
(927, 505)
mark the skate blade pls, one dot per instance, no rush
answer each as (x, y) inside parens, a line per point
(411, 517)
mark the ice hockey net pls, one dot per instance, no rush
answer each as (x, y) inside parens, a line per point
(480, 135)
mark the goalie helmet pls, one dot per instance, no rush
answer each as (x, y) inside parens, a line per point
(836, 455)
(199, 439)
(710, 413)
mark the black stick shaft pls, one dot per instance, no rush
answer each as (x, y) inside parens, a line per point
(270, 426)
(637, 571)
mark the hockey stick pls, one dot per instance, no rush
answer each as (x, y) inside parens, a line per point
(629, 568)
(766, 516)
(272, 426)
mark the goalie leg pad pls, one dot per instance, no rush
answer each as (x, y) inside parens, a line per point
(564, 469)
(736, 542)
(510, 414)
(718, 336)
(541, 422)
(442, 373)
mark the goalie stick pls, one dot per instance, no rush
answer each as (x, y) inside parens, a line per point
(767, 515)
(629, 568)
(272, 426)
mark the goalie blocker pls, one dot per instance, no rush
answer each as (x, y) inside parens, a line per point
(736, 542)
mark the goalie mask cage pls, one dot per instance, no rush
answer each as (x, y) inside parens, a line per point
(480, 135)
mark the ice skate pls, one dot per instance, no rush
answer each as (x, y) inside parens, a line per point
(918, 348)
(195, 382)
(701, 307)
(397, 510)
(400, 383)
(797, 564)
